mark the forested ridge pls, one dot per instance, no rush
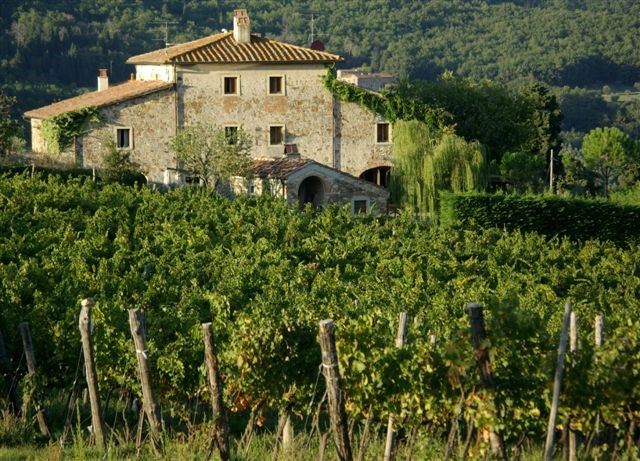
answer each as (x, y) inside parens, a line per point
(51, 49)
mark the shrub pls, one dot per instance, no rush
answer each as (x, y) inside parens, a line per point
(578, 219)
(15, 431)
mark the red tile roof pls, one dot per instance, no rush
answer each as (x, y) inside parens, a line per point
(278, 168)
(283, 167)
(223, 48)
(112, 95)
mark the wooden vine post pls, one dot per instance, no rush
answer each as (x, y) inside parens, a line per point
(221, 426)
(478, 335)
(598, 333)
(5, 369)
(557, 384)
(335, 396)
(573, 348)
(30, 357)
(598, 330)
(137, 326)
(401, 337)
(84, 324)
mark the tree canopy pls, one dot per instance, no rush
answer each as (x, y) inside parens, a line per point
(609, 154)
(10, 129)
(428, 161)
(212, 153)
(52, 49)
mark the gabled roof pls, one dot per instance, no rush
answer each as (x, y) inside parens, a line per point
(282, 168)
(112, 95)
(223, 48)
(278, 168)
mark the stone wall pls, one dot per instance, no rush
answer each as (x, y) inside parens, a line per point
(41, 151)
(256, 186)
(305, 109)
(336, 134)
(339, 188)
(152, 120)
(38, 143)
(355, 140)
(340, 135)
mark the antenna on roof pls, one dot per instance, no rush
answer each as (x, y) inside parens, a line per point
(166, 32)
(314, 18)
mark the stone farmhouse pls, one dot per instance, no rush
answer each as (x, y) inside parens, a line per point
(317, 148)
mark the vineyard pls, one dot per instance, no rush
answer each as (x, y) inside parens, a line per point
(265, 274)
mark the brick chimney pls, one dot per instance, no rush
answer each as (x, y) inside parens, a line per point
(241, 26)
(291, 151)
(103, 79)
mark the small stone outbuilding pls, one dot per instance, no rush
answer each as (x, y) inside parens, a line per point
(302, 181)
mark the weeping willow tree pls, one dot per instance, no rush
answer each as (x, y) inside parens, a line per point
(427, 161)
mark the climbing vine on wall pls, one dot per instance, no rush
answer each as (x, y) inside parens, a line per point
(391, 106)
(60, 131)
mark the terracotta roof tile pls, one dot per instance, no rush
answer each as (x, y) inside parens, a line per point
(223, 48)
(112, 95)
(278, 168)
(282, 168)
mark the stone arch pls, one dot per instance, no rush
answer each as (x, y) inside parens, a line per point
(311, 190)
(379, 175)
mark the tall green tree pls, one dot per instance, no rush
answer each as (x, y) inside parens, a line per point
(523, 170)
(412, 142)
(427, 162)
(213, 153)
(10, 129)
(611, 156)
(481, 111)
(546, 118)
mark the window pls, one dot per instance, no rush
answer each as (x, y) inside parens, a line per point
(231, 85)
(231, 134)
(382, 132)
(123, 138)
(276, 85)
(360, 205)
(276, 135)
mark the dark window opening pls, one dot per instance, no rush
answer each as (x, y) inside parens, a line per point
(276, 135)
(382, 132)
(275, 85)
(231, 134)
(360, 206)
(231, 85)
(379, 176)
(123, 138)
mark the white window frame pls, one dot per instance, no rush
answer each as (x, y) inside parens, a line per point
(284, 135)
(284, 85)
(115, 134)
(238, 85)
(367, 200)
(375, 132)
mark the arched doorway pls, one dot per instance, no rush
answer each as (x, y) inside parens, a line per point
(311, 190)
(379, 175)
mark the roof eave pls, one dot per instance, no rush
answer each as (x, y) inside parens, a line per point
(319, 61)
(33, 114)
(150, 62)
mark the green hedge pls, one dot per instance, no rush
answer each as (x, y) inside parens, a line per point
(578, 219)
(128, 178)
